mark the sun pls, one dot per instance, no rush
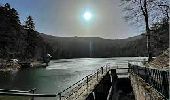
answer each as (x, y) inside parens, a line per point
(87, 15)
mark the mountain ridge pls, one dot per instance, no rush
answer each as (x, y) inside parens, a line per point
(100, 47)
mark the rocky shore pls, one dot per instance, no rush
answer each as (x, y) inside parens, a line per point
(9, 66)
(15, 66)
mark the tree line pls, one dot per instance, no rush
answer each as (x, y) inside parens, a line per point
(17, 40)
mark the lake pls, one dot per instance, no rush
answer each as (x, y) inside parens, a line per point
(58, 75)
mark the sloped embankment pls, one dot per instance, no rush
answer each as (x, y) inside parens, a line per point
(162, 61)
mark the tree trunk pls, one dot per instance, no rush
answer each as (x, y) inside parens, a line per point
(147, 31)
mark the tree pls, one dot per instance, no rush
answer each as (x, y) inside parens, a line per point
(165, 10)
(7, 6)
(144, 12)
(29, 23)
(14, 18)
(31, 37)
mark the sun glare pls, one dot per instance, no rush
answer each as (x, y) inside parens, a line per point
(87, 16)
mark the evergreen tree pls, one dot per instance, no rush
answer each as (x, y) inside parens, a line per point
(29, 23)
(32, 37)
(14, 19)
(7, 6)
(15, 16)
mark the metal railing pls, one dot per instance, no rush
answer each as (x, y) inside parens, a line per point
(84, 86)
(158, 79)
(20, 93)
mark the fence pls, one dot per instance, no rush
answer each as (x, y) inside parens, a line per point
(29, 93)
(83, 87)
(158, 79)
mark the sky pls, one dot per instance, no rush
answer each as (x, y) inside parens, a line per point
(65, 18)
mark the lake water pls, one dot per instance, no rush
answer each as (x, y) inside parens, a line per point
(58, 75)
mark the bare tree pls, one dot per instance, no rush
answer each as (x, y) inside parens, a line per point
(145, 12)
(165, 10)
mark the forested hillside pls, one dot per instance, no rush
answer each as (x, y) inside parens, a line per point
(16, 40)
(73, 47)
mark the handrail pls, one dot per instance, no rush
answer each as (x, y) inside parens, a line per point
(18, 91)
(158, 79)
(84, 84)
(28, 94)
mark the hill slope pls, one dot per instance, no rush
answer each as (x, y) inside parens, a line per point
(73, 47)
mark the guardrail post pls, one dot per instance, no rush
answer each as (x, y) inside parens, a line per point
(97, 75)
(138, 73)
(128, 67)
(33, 91)
(87, 82)
(59, 95)
(145, 74)
(102, 70)
(165, 84)
(149, 76)
(113, 76)
(106, 68)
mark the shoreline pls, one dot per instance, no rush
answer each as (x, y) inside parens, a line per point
(8, 67)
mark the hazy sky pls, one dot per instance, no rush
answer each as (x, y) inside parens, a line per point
(65, 17)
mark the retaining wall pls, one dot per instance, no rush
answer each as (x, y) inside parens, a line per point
(143, 91)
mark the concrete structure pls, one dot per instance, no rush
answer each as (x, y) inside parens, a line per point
(144, 91)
